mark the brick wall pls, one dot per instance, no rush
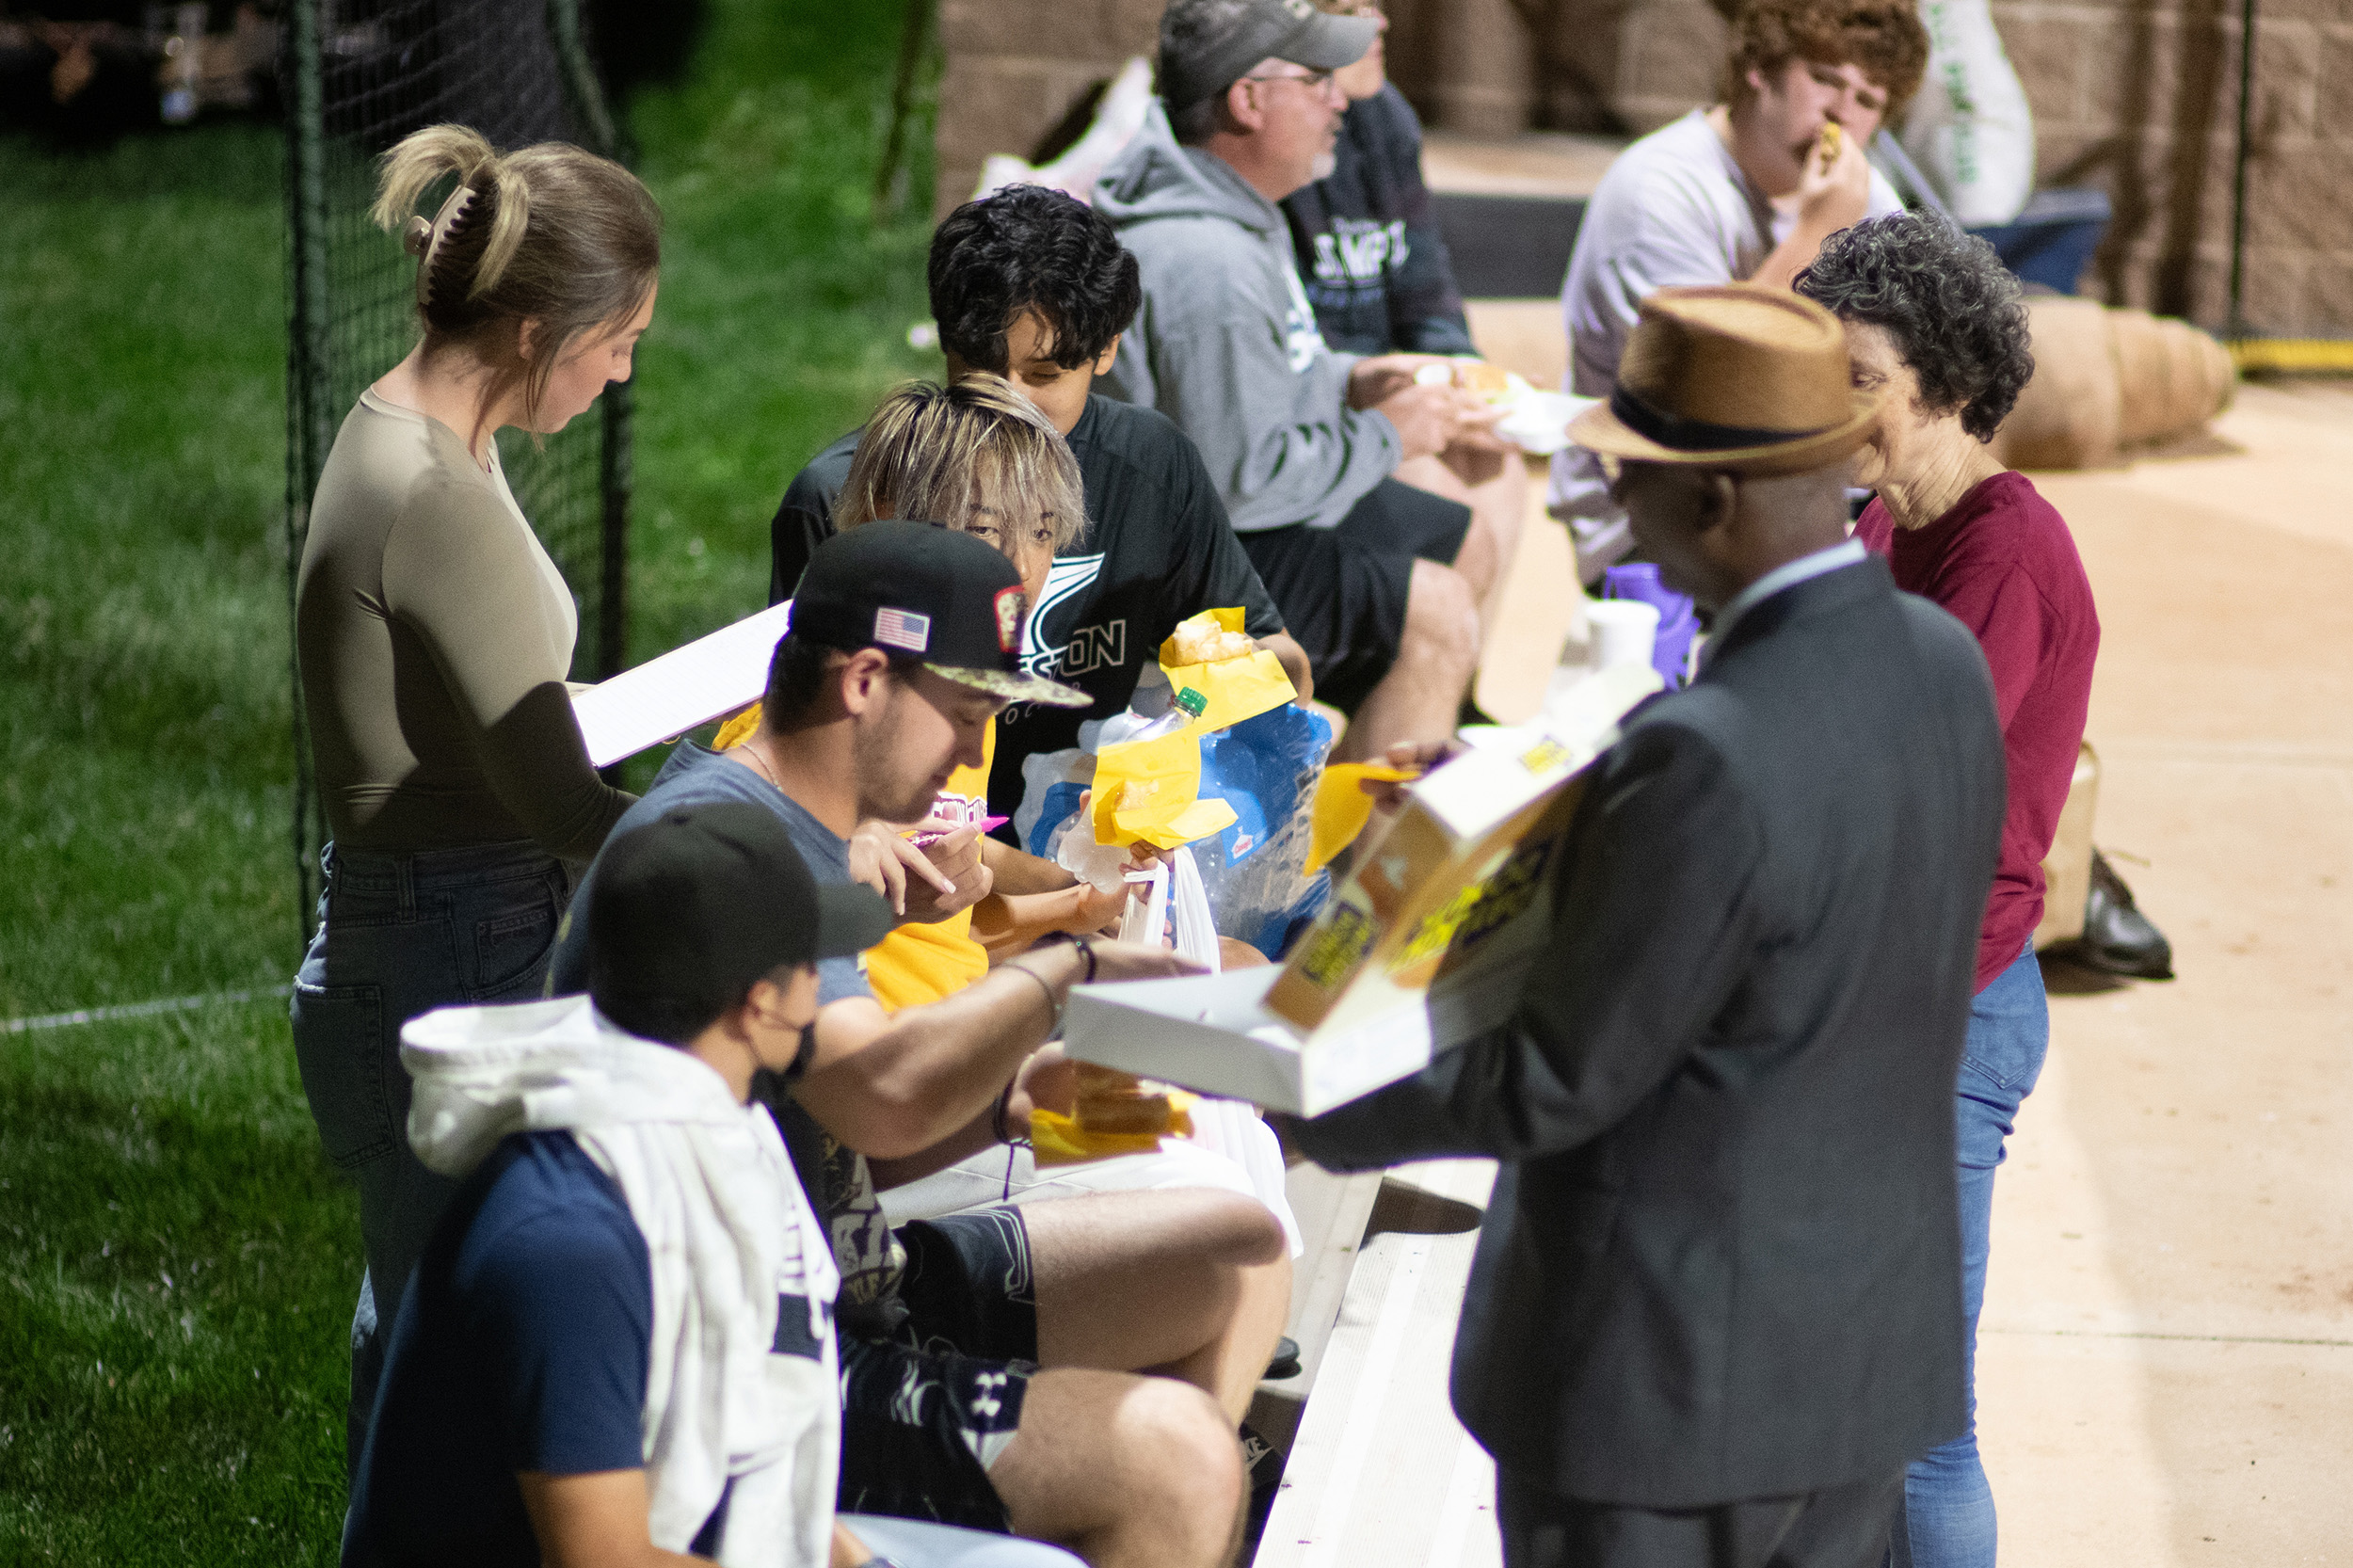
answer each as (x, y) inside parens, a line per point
(2143, 99)
(2139, 97)
(1015, 69)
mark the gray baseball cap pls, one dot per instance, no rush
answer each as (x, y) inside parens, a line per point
(1208, 45)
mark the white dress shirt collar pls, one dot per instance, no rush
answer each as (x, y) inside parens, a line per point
(1786, 575)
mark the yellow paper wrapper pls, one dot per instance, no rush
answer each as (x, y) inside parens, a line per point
(1236, 689)
(1150, 790)
(737, 729)
(1059, 1140)
(1342, 808)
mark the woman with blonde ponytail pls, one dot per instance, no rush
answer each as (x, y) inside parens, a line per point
(435, 636)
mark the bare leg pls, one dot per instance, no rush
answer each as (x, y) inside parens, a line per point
(1436, 655)
(1230, 1366)
(1193, 1283)
(1494, 485)
(1128, 1472)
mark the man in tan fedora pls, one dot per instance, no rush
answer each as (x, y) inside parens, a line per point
(1717, 1303)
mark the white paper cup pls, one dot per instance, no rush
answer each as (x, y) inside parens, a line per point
(1623, 632)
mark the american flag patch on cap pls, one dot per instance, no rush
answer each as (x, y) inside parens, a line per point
(903, 628)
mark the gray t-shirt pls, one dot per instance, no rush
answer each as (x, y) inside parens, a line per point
(1673, 211)
(870, 1258)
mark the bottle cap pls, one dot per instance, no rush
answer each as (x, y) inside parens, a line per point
(1193, 702)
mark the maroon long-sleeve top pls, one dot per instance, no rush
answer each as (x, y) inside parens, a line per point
(2004, 565)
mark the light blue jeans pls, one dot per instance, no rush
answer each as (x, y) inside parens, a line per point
(1947, 1520)
(399, 936)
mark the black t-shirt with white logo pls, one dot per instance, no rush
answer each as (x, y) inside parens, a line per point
(1158, 549)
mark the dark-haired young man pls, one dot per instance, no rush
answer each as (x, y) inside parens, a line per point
(1744, 192)
(1032, 285)
(904, 641)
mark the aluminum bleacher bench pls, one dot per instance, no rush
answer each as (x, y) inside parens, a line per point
(1380, 1473)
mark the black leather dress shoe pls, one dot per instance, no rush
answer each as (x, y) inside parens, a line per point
(2117, 939)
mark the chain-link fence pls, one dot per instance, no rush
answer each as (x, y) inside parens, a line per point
(359, 74)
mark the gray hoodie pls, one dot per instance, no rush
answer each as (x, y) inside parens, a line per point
(1226, 342)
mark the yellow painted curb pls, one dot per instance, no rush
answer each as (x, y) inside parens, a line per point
(2308, 356)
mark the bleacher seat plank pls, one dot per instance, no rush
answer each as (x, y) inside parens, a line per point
(1380, 1473)
(1332, 1212)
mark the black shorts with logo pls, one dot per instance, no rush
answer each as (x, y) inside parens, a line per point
(925, 1413)
(1342, 589)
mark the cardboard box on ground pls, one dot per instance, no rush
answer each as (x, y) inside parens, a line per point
(1421, 947)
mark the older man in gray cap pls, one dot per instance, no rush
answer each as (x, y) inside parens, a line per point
(1379, 581)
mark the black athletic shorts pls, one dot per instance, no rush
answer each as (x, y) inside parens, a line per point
(925, 1413)
(1342, 589)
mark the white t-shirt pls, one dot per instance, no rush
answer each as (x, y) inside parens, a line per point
(1675, 210)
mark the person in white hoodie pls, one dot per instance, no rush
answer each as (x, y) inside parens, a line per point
(617, 1348)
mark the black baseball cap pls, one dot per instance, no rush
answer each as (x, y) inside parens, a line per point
(686, 911)
(944, 597)
(1200, 59)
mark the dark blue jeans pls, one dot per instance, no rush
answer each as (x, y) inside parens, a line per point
(1947, 1516)
(399, 936)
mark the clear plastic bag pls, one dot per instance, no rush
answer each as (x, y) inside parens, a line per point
(1255, 872)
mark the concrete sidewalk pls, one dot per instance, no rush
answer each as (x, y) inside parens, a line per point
(2165, 1371)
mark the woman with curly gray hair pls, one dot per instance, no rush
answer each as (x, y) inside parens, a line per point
(1935, 325)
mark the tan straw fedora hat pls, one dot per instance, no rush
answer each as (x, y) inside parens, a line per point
(1737, 377)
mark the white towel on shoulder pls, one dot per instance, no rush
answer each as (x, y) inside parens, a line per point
(731, 1235)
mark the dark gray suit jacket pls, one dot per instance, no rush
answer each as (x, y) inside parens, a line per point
(1722, 1257)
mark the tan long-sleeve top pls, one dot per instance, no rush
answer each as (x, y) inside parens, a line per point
(435, 636)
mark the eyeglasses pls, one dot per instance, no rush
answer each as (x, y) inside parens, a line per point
(1317, 82)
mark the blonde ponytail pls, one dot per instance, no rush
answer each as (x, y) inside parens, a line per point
(421, 158)
(548, 234)
(510, 218)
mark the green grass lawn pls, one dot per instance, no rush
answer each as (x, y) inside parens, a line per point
(176, 1259)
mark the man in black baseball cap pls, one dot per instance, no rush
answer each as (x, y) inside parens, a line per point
(904, 641)
(699, 907)
(528, 1363)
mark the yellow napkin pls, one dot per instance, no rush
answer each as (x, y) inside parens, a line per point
(1150, 790)
(1342, 808)
(737, 729)
(1233, 689)
(1059, 1140)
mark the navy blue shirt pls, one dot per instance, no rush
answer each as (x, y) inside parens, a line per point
(522, 1344)
(835, 1177)
(1369, 252)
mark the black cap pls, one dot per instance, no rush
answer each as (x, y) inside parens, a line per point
(941, 596)
(687, 911)
(1197, 62)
